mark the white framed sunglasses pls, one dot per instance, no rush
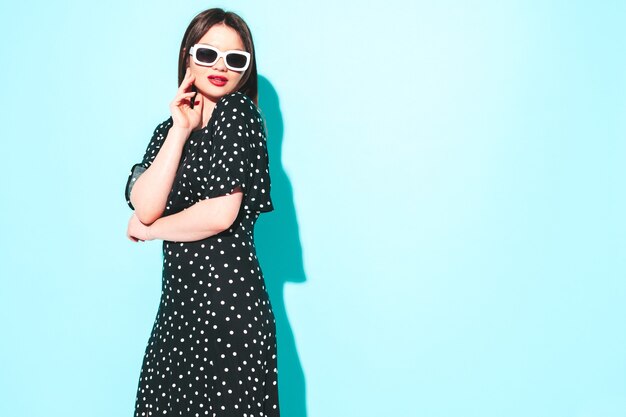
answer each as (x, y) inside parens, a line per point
(208, 55)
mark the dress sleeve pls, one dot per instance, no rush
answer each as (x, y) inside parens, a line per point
(158, 137)
(238, 154)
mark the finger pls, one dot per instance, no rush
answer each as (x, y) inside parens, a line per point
(182, 96)
(201, 104)
(188, 94)
(198, 103)
(179, 101)
(186, 83)
(187, 74)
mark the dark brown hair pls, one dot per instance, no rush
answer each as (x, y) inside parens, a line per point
(196, 30)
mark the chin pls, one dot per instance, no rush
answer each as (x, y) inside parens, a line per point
(212, 91)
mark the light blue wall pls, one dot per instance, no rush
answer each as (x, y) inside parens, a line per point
(449, 236)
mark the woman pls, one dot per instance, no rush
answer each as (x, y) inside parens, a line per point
(201, 186)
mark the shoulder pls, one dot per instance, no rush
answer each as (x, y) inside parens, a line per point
(237, 106)
(166, 124)
(160, 131)
(163, 127)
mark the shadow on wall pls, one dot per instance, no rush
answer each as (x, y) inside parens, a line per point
(277, 239)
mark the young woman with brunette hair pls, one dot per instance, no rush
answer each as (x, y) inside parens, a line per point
(201, 186)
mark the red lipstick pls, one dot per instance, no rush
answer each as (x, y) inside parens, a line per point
(218, 80)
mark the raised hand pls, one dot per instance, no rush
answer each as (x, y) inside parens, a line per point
(184, 117)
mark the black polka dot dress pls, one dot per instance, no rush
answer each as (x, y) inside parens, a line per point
(212, 350)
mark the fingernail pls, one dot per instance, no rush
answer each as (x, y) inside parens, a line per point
(196, 102)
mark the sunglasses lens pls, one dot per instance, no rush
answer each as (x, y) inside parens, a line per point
(236, 60)
(206, 55)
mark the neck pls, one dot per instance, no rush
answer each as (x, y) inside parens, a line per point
(207, 109)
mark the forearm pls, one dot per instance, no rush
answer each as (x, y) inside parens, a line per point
(203, 219)
(151, 189)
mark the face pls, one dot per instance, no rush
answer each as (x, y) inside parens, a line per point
(223, 38)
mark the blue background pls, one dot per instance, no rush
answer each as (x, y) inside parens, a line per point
(449, 231)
